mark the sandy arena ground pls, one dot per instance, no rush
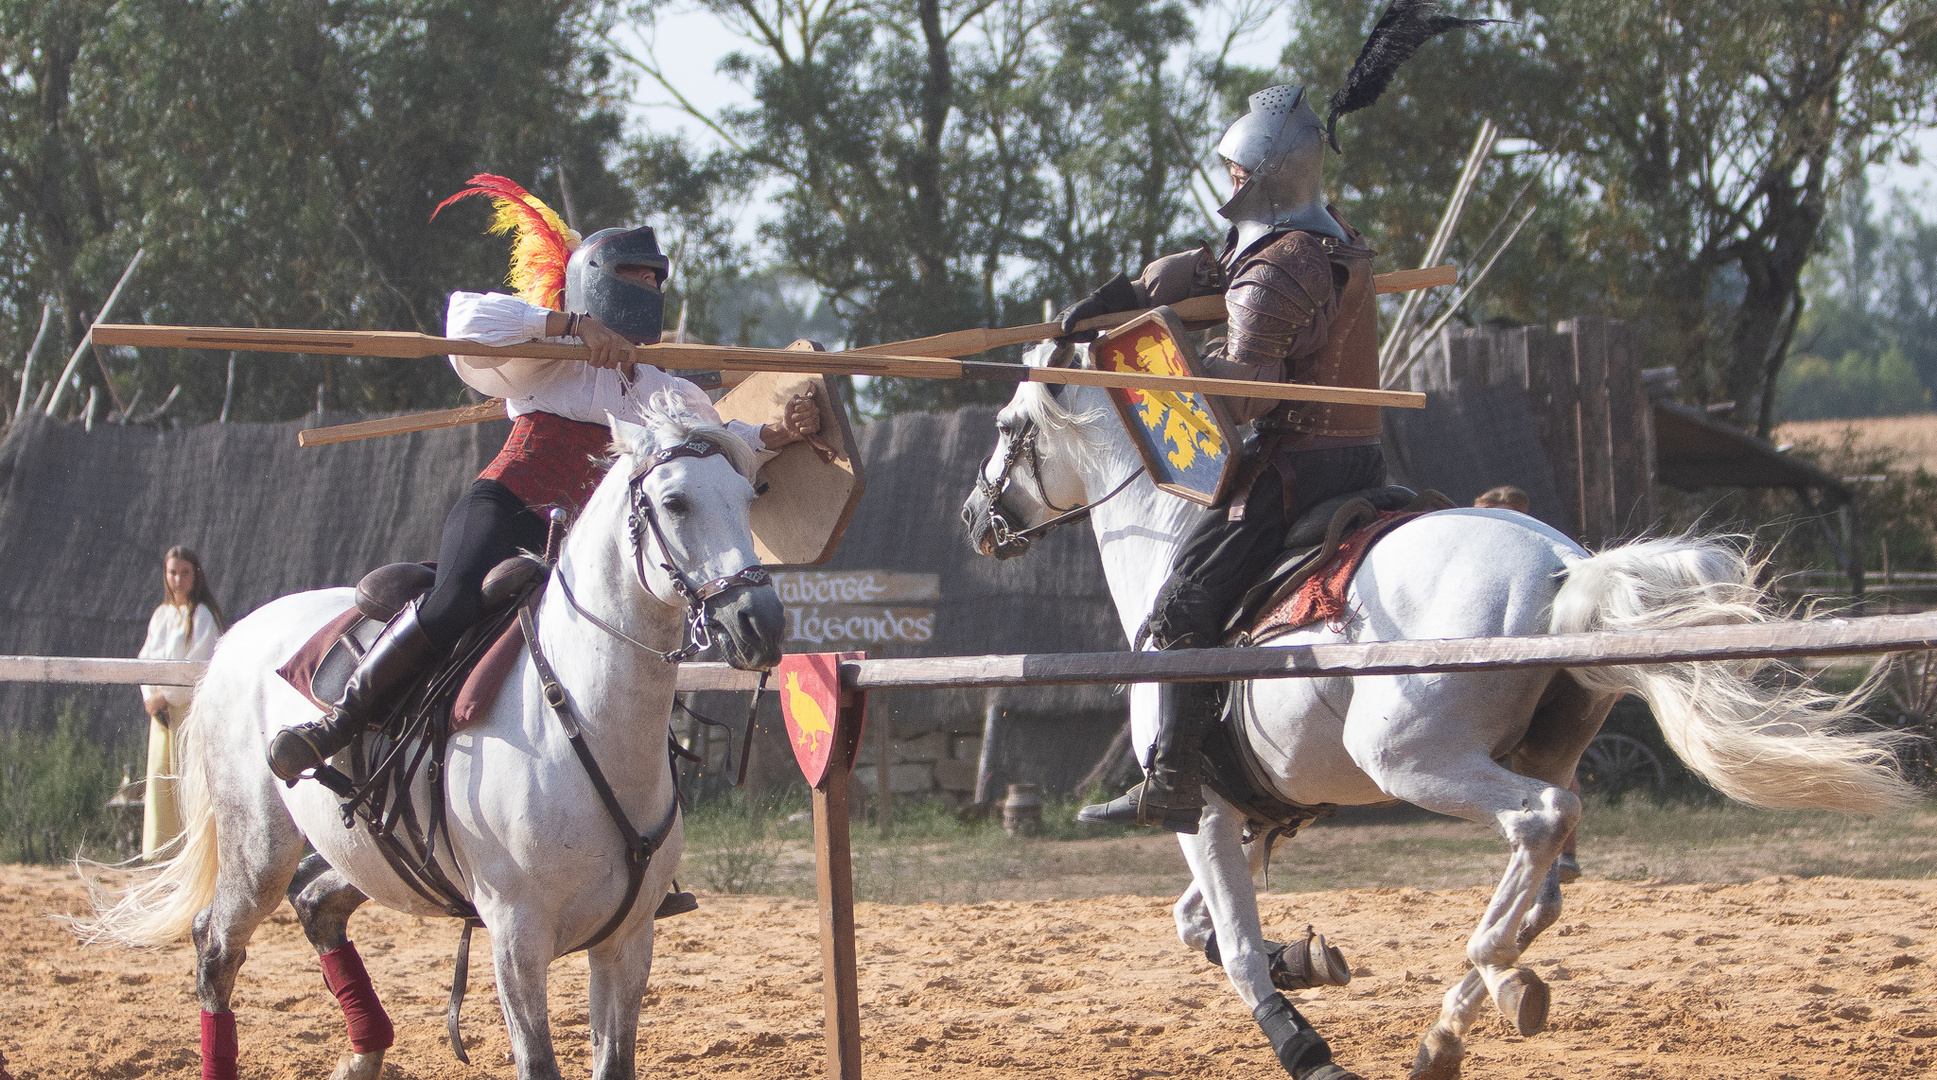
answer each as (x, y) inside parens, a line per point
(1783, 978)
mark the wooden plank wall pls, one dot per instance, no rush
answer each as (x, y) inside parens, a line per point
(1583, 383)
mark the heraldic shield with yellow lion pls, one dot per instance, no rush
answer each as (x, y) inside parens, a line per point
(1184, 438)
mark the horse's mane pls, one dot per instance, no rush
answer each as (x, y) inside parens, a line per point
(670, 419)
(1037, 403)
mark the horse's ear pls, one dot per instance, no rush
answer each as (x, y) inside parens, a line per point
(1049, 354)
(1061, 353)
(628, 436)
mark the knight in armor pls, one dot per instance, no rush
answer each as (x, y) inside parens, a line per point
(604, 291)
(1298, 292)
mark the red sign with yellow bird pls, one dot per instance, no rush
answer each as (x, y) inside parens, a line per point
(810, 702)
(1185, 440)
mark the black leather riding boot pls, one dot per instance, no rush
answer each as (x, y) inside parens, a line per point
(399, 655)
(1171, 794)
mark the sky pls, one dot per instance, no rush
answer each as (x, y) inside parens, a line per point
(690, 43)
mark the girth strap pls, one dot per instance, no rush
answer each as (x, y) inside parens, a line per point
(639, 846)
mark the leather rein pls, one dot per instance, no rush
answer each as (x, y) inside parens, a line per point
(1022, 447)
(640, 520)
(427, 880)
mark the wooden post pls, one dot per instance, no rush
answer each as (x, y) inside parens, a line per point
(1107, 764)
(985, 761)
(27, 365)
(1631, 421)
(1559, 397)
(1471, 369)
(1598, 516)
(884, 787)
(1513, 360)
(80, 350)
(834, 864)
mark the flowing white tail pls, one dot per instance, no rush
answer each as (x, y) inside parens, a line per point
(158, 906)
(1759, 742)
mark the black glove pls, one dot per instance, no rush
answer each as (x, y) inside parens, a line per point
(1114, 295)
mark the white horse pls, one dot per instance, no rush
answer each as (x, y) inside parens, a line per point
(530, 841)
(1494, 747)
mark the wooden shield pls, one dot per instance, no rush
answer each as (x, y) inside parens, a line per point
(1187, 441)
(810, 702)
(810, 497)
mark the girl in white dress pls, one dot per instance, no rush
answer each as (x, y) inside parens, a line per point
(184, 627)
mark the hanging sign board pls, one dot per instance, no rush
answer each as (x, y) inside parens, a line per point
(1186, 440)
(850, 608)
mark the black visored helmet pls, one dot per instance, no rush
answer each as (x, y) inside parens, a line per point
(593, 285)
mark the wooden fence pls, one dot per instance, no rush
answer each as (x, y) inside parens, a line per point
(1595, 421)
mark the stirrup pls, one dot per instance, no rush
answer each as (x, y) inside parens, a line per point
(677, 902)
(1129, 809)
(286, 749)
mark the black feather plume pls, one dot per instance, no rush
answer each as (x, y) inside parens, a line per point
(1404, 27)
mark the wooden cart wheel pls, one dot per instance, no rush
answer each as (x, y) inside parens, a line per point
(1615, 762)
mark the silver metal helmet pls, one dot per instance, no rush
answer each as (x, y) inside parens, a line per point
(1281, 143)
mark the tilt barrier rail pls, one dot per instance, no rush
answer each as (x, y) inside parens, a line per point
(1776, 639)
(840, 682)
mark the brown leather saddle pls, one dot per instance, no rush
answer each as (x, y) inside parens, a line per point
(1232, 767)
(385, 592)
(414, 735)
(1315, 537)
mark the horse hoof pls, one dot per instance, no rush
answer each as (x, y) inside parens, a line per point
(358, 1066)
(1439, 1056)
(1524, 999)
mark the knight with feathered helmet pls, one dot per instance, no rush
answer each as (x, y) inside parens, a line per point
(605, 291)
(1298, 292)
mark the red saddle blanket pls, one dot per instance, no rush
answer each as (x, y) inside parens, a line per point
(1322, 597)
(474, 697)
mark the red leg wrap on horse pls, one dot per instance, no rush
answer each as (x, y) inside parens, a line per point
(343, 973)
(218, 1046)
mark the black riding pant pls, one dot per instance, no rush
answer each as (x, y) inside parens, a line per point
(1222, 558)
(487, 526)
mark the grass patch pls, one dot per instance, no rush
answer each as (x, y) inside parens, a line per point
(1725, 842)
(934, 857)
(54, 787)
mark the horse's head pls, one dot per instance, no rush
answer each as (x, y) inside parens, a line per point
(688, 493)
(1039, 474)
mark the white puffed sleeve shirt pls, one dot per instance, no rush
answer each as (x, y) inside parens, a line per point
(171, 637)
(569, 388)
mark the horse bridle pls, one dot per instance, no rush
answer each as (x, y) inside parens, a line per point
(696, 638)
(1022, 446)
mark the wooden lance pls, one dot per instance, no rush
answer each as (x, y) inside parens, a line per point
(924, 358)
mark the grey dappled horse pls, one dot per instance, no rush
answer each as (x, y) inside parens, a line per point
(1495, 747)
(538, 852)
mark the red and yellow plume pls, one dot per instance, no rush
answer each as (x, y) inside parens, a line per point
(543, 242)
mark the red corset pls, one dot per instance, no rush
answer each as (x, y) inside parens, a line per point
(551, 461)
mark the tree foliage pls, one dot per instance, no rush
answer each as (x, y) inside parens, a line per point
(931, 165)
(1687, 155)
(1867, 343)
(952, 163)
(278, 160)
